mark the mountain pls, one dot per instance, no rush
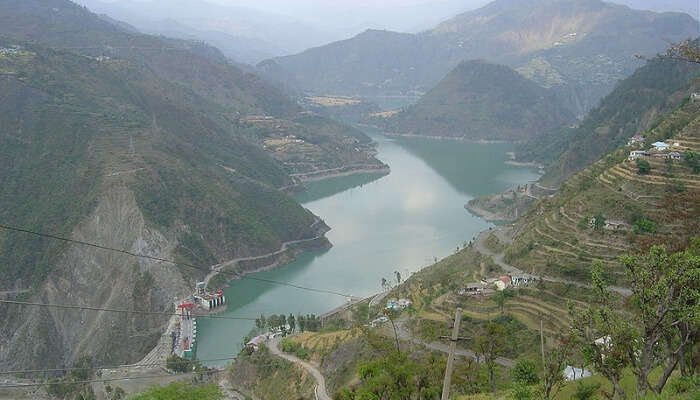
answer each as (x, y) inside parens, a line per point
(580, 49)
(637, 104)
(243, 34)
(690, 7)
(479, 100)
(144, 143)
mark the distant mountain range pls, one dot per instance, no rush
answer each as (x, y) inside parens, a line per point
(479, 100)
(242, 34)
(579, 48)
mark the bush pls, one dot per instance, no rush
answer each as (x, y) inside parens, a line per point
(178, 364)
(584, 391)
(643, 167)
(524, 372)
(643, 225)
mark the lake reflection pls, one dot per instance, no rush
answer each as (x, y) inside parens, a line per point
(402, 221)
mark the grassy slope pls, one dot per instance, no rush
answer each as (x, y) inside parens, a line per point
(478, 100)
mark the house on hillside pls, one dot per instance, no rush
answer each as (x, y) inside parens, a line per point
(255, 342)
(660, 146)
(472, 289)
(635, 140)
(695, 97)
(503, 282)
(398, 305)
(522, 279)
(635, 154)
(674, 155)
(613, 225)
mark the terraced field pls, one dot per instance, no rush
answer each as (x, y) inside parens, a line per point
(556, 238)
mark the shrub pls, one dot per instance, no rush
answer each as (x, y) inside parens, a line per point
(643, 225)
(584, 391)
(524, 372)
(643, 167)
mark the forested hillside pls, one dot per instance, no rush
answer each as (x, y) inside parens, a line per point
(637, 104)
(479, 100)
(142, 143)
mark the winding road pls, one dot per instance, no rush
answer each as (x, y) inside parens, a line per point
(443, 347)
(216, 269)
(321, 393)
(480, 246)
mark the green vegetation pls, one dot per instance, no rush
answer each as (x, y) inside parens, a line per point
(637, 104)
(268, 377)
(643, 167)
(181, 391)
(479, 100)
(295, 348)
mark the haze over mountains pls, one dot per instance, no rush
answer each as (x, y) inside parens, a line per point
(479, 100)
(578, 48)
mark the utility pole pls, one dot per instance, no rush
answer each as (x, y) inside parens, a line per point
(544, 366)
(451, 357)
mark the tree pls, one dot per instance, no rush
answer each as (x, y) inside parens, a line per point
(302, 322)
(500, 300)
(384, 284)
(489, 345)
(555, 361)
(525, 372)
(643, 225)
(585, 391)
(599, 222)
(665, 293)
(643, 166)
(398, 277)
(660, 325)
(292, 322)
(692, 160)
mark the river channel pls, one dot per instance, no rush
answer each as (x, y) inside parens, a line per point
(380, 224)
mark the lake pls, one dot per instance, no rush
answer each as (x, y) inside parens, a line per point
(380, 224)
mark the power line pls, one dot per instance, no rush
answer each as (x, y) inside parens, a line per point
(201, 268)
(25, 303)
(155, 364)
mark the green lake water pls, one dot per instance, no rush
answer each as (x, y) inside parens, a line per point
(380, 224)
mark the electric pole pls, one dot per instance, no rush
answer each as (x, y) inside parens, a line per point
(544, 365)
(451, 357)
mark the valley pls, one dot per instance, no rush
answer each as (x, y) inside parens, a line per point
(503, 205)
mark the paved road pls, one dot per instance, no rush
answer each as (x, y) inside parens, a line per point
(218, 268)
(501, 233)
(442, 347)
(321, 393)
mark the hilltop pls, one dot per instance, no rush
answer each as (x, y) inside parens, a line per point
(580, 49)
(479, 100)
(144, 143)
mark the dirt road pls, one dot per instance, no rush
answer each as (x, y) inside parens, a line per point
(321, 393)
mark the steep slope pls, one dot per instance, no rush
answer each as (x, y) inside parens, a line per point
(637, 104)
(479, 100)
(613, 206)
(139, 143)
(579, 48)
(96, 151)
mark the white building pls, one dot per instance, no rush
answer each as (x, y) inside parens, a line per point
(572, 373)
(661, 146)
(635, 154)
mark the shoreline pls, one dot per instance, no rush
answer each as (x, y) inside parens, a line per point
(318, 176)
(487, 215)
